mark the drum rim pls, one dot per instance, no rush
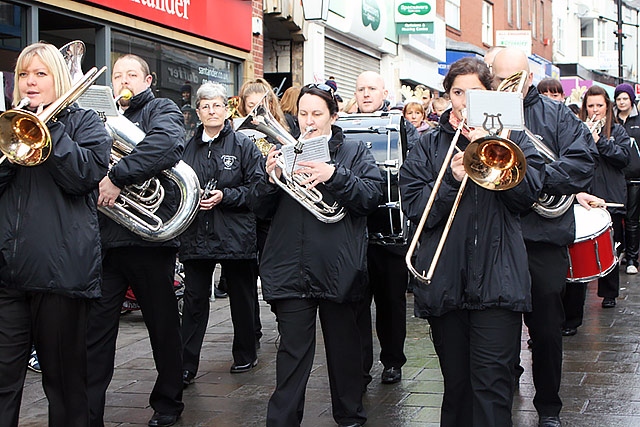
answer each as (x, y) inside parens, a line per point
(597, 276)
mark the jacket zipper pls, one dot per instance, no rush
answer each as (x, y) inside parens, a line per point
(15, 242)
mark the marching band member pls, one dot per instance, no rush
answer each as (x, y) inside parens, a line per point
(309, 266)
(481, 286)
(547, 238)
(128, 260)
(50, 247)
(609, 183)
(224, 232)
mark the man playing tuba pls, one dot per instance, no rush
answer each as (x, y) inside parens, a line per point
(129, 260)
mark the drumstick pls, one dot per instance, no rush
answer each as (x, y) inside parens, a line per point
(606, 205)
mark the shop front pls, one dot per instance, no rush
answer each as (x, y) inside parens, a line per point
(186, 43)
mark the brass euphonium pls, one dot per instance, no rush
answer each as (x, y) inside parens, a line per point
(24, 136)
(548, 205)
(137, 203)
(261, 119)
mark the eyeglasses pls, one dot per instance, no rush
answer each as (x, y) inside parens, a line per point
(320, 86)
(208, 107)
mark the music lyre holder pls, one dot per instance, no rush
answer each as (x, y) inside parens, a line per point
(492, 129)
(490, 107)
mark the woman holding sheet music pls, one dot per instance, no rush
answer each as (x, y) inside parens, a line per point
(310, 266)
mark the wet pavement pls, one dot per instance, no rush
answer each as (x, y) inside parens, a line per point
(600, 384)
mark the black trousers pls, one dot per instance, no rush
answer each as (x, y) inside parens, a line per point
(388, 278)
(609, 285)
(150, 273)
(476, 349)
(573, 300)
(58, 326)
(241, 286)
(632, 224)
(297, 327)
(548, 266)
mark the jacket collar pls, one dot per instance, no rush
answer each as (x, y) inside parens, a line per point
(226, 130)
(139, 100)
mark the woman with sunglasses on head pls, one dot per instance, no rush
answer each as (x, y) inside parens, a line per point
(227, 164)
(481, 285)
(310, 266)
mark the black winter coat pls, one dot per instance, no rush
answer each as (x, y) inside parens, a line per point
(613, 155)
(568, 138)
(632, 126)
(484, 261)
(162, 122)
(307, 258)
(49, 236)
(228, 231)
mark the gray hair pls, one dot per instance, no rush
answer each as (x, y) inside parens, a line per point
(211, 90)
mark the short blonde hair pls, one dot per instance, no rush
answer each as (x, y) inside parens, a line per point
(52, 59)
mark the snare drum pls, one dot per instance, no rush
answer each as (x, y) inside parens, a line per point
(383, 133)
(592, 253)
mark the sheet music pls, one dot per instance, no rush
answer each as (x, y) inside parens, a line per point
(99, 99)
(314, 149)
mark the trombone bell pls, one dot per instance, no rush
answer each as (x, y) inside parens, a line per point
(494, 163)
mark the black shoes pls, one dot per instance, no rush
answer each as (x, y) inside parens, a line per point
(238, 369)
(187, 378)
(163, 420)
(549, 422)
(391, 375)
(218, 293)
(569, 332)
(608, 302)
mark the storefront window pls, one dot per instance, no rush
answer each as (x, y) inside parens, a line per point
(12, 40)
(173, 68)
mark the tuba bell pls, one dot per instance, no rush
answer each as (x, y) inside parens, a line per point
(261, 119)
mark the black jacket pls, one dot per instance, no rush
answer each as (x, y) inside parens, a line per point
(608, 178)
(162, 122)
(484, 262)
(228, 231)
(306, 258)
(49, 237)
(632, 126)
(561, 131)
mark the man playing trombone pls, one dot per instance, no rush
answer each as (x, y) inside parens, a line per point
(568, 171)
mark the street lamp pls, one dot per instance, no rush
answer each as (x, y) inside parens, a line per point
(315, 10)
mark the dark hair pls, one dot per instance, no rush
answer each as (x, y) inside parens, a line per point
(575, 108)
(465, 66)
(552, 85)
(595, 91)
(323, 91)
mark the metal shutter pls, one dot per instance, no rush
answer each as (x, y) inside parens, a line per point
(345, 64)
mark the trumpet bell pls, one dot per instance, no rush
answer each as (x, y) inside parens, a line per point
(494, 163)
(24, 139)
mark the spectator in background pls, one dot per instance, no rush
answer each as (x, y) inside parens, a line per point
(351, 106)
(438, 106)
(289, 106)
(413, 112)
(551, 88)
(626, 112)
(190, 121)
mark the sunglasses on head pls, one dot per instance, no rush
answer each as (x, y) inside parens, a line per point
(320, 86)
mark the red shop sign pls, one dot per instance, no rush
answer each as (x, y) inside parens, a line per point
(223, 21)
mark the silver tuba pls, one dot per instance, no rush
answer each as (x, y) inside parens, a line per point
(261, 119)
(136, 207)
(137, 204)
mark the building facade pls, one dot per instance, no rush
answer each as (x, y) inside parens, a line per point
(185, 42)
